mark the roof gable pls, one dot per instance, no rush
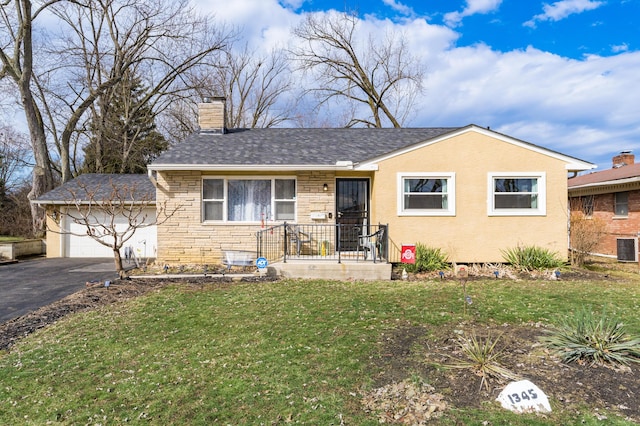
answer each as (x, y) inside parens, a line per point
(572, 163)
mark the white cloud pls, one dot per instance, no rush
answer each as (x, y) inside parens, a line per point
(583, 108)
(561, 9)
(261, 21)
(473, 7)
(624, 47)
(399, 7)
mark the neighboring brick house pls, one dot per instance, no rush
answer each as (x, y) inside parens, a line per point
(469, 190)
(614, 196)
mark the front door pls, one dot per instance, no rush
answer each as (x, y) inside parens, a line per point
(352, 211)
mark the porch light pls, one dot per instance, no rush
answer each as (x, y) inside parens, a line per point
(325, 187)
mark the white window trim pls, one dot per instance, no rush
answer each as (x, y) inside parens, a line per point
(542, 194)
(451, 194)
(226, 179)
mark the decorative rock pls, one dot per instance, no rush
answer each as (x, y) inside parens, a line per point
(524, 397)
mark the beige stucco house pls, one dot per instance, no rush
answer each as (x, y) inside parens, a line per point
(470, 191)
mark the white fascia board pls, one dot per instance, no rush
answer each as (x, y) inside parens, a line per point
(367, 167)
(247, 167)
(580, 166)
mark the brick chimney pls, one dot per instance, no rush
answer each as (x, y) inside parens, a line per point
(211, 115)
(625, 158)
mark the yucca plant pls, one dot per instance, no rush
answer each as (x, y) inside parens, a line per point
(586, 337)
(531, 258)
(482, 357)
(428, 259)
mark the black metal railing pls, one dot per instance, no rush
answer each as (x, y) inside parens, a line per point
(331, 242)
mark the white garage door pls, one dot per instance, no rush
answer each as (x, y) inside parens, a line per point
(78, 244)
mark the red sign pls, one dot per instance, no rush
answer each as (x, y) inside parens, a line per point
(408, 254)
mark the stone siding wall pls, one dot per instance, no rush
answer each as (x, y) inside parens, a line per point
(186, 239)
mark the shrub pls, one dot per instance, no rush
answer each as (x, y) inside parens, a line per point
(482, 357)
(588, 338)
(531, 258)
(428, 259)
(585, 234)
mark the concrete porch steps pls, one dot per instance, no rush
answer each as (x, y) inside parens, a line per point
(346, 270)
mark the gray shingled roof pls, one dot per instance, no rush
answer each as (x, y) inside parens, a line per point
(103, 185)
(293, 146)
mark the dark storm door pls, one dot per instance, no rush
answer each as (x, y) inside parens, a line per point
(352, 211)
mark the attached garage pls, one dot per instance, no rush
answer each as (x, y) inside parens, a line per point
(76, 243)
(100, 204)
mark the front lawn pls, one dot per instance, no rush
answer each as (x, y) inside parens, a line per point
(301, 352)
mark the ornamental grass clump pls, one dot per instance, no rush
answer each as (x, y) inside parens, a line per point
(587, 338)
(531, 258)
(428, 259)
(483, 358)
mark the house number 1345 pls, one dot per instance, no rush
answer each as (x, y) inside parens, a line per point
(524, 396)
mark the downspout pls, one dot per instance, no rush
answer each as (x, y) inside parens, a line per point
(152, 177)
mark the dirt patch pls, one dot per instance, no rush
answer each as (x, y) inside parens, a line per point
(422, 352)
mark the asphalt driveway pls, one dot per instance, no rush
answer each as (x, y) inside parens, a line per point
(28, 285)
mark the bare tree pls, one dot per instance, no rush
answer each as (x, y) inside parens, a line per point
(14, 152)
(16, 57)
(381, 75)
(254, 85)
(585, 230)
(157, 40)
(15, 214)
(95, 44)
(111, 215)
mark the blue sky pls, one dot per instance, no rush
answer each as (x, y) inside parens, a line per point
(561, 74)
(568, 28)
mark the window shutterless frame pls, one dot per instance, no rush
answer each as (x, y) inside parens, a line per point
(426, 194)
(516, 194)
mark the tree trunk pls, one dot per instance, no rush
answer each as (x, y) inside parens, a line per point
(118, 261)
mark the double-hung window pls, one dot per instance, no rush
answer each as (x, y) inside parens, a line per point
(621, 204)
(517, 194)
(248, 200)
(426, 194)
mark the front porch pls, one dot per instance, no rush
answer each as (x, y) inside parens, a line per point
(326, 251)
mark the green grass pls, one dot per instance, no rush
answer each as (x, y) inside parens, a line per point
(273, 353)
(6, 239)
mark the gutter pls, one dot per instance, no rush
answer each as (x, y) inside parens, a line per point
(338, 166)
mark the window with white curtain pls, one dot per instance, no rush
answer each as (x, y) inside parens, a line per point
(248, 200)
